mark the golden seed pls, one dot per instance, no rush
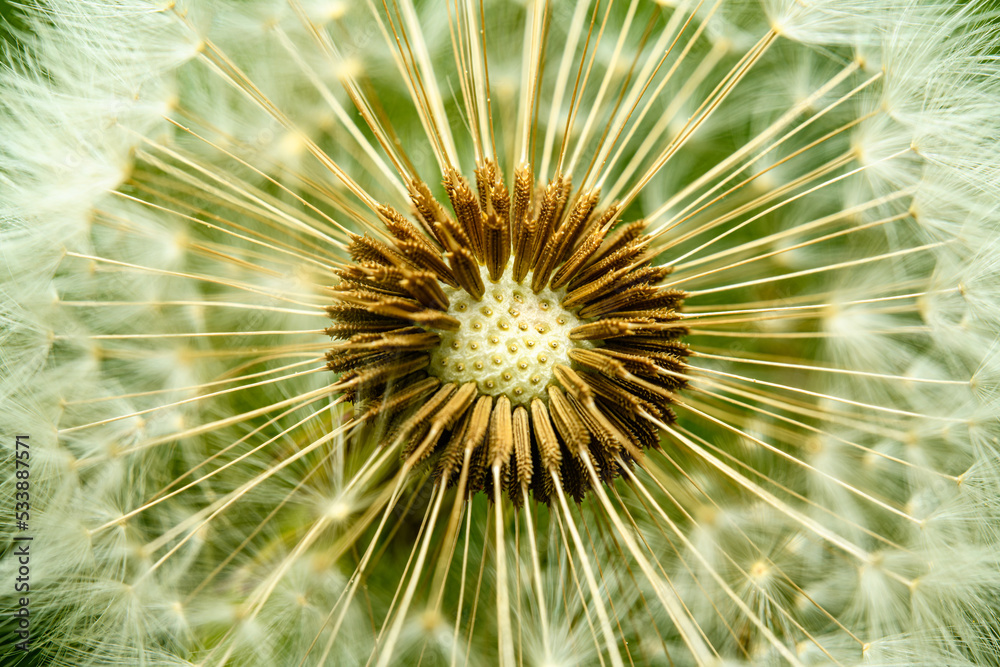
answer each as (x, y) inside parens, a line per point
(497, 360)
(477, 325)
(494, 339)
(535, 379)
(518, 391)
(529, 343)
(554, 345)
(490, 384)
(542, 359)
(487, 311)
(479, 365)
(459, 366)
(512, 348)
(507, 377)
(454, 344)
(473, 346)
(523, 366)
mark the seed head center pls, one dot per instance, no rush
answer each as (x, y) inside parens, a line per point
(509, 342)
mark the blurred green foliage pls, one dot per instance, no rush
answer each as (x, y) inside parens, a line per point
(10, 19)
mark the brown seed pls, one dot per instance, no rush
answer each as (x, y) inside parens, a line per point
(523, 186)
(467, 210)
(428, 210)
(466, 271)
(549, 452)
(521, 427)
(501, 432)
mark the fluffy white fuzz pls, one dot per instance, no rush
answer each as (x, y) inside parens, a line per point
(177, 182)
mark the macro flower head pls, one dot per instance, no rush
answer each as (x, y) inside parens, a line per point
(542, 333)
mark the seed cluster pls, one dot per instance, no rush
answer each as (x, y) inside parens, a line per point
(512, 334)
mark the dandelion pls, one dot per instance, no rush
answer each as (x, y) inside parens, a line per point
(534, 333)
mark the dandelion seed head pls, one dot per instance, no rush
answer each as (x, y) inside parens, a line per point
(506, 298)
(787, 459)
